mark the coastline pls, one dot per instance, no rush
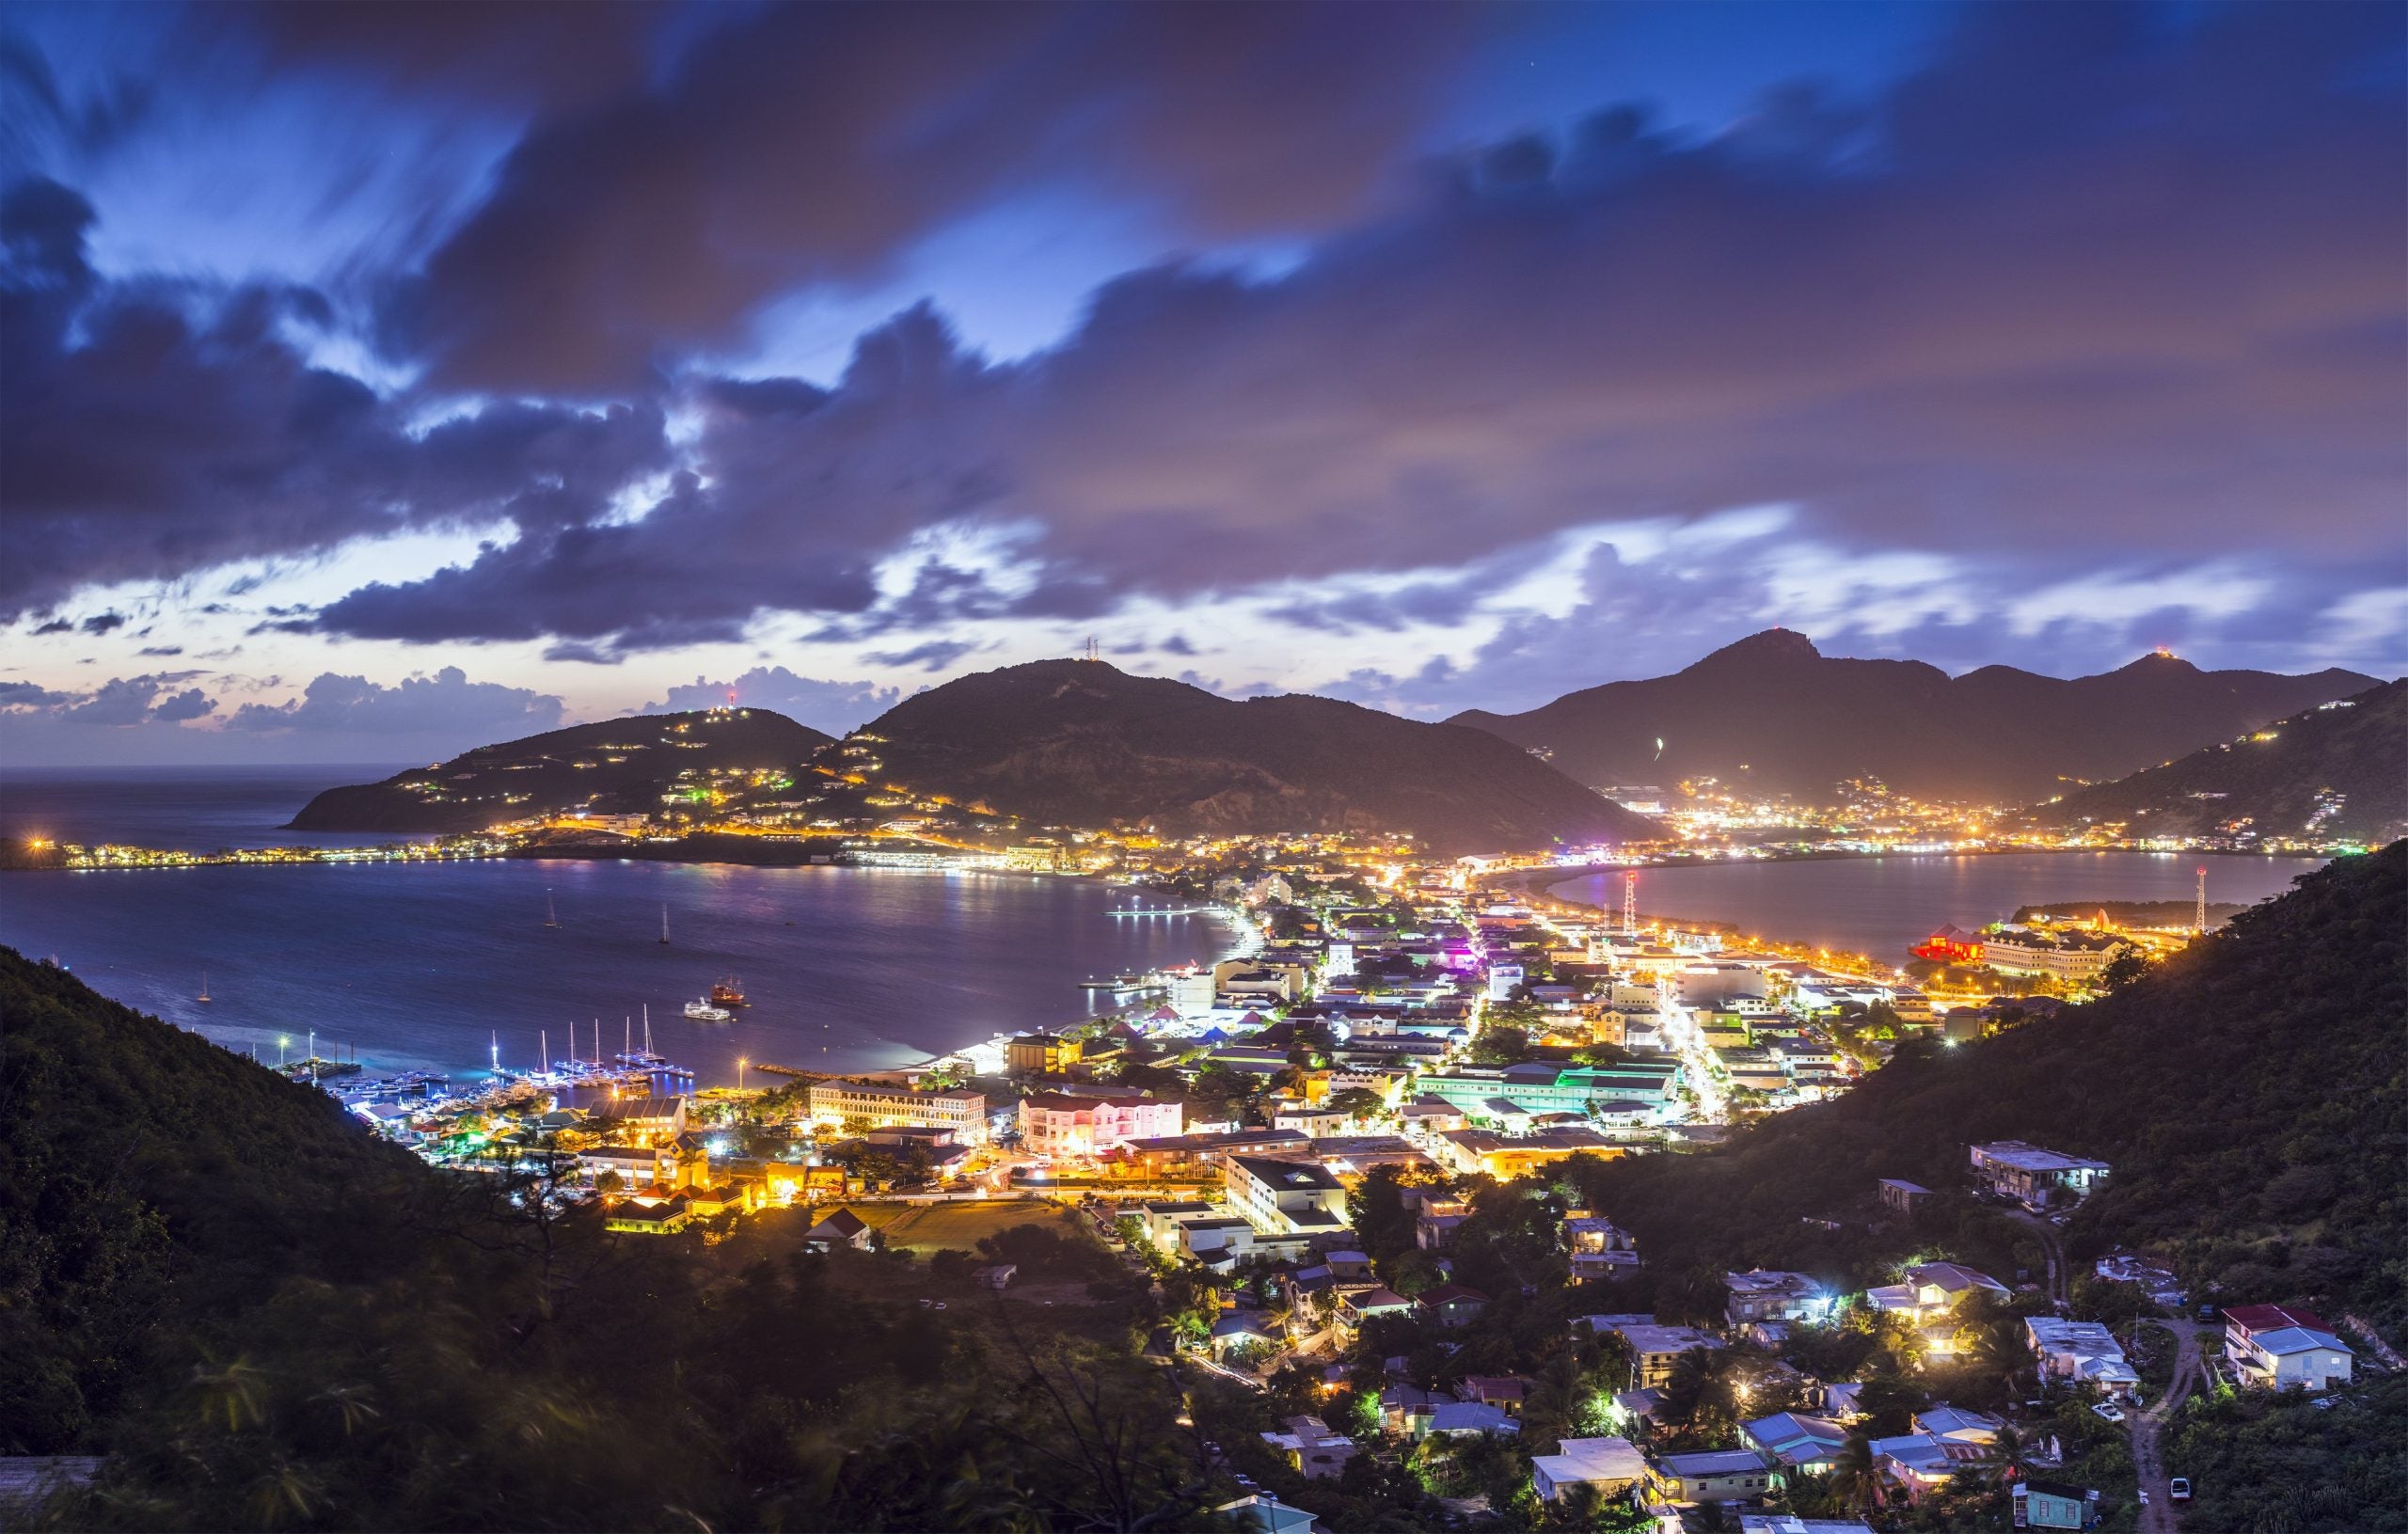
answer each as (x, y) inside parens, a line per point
(921, 968)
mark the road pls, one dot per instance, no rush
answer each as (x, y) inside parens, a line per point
(2161, 1515)
(2060, 1283)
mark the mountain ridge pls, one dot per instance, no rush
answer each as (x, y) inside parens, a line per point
(1077, 742)
(1771, 714)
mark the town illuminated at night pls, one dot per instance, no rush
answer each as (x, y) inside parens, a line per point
(1633, 767)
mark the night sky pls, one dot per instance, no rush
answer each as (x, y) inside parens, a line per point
(376, 381)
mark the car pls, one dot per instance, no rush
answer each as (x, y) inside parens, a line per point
(2109, 1410)
(2179, 1489)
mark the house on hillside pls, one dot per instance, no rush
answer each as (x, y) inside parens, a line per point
(2081, 1351)
(1654, 1351)
(1932, 1290)
(1434, 1225)
(1598, 1248)
(1311, 1448)
(2277, 1347)
(1267, 1513)
(2053, 1503)
(1791, 1441)
(1762, 1295)
(1453, 1304)
(1611, 1465)
(1240, 1329)
(1713, 1475)
(1919, 1464)
(1900, 1196)
(2033, 1176)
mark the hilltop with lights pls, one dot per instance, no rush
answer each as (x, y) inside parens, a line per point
(619, 771)
(2335, 773)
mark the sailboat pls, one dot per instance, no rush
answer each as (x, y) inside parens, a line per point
(552, 917)
(205, 986)
(664, 925)
(643, 1059)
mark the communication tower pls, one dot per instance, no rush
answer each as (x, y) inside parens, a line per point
(2199, 922)
(1630, 903)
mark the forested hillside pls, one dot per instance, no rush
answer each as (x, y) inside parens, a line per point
(150, 1182)
(2252, 1095)
(265, 1319)
(2335, 772)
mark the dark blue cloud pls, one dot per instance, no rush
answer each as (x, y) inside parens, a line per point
(2095, 290)
(148, 429)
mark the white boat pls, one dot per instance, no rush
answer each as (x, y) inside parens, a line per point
(701, 1011)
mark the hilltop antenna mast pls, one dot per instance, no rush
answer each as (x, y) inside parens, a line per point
(1630, 904)
(1092, 652)
(2199, 922)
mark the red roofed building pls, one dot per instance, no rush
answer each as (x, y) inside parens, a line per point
(1951, 944)
(2250, 1319)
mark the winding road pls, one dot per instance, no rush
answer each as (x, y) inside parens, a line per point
(2149, 1463)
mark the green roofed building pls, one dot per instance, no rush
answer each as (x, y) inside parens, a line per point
(1540, 1088)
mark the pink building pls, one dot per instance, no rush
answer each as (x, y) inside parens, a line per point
(1058, 1124)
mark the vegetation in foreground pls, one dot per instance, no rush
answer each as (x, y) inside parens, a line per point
(267, 1320)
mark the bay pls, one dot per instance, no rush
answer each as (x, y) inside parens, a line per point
(1884, 905)
(420, 965)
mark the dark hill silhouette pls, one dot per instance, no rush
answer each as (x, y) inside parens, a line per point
(2339, 771)
(1774, 715)
(629, 764)
(1081, 743)
(151, 1180)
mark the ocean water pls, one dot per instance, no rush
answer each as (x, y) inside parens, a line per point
(428, 965)
(183, 809)
(1884, 905)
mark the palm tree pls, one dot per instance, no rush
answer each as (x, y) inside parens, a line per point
(236, 1391)
(1856, 1475)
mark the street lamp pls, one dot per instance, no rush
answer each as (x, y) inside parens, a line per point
(740, 1064)
(281, 1042)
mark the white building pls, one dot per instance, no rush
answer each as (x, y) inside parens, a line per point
(1058, 1124)
(2279, 1347)
(2081, 1351)
(1612, 1465)
(1283, 1197)
(2036, 1177)
(879, 1105)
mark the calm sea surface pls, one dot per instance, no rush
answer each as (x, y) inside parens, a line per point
(1883, 906)
(184, 809)
(420, 965)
